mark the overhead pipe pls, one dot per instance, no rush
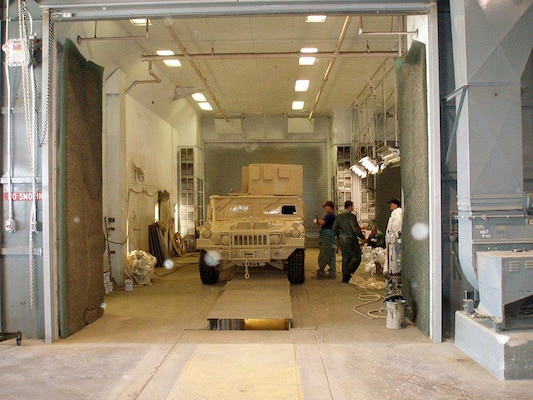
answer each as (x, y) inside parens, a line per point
(331, 64)
(156, 79)
(94, 38)
(255, 56)
(10, 223)
(197, 70)
(30, 119)
(383, 33)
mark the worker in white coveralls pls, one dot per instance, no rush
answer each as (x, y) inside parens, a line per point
(393, 265)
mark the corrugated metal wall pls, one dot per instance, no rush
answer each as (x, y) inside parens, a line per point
(224, 162)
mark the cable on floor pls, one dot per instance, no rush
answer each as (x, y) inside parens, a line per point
(368, 297)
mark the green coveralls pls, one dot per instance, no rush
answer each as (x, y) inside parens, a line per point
(347, 230)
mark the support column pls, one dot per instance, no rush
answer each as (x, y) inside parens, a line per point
(115, 174)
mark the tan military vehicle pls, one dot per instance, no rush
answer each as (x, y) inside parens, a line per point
(262, 226)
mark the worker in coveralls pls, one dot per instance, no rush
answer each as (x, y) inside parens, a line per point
(393, 239)
(326, 241)
(348, 232)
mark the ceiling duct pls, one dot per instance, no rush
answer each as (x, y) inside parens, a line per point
(490, 178)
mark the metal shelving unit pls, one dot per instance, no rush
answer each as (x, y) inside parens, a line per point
(191, 197)
(344, 181)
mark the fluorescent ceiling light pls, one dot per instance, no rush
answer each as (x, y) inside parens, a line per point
(140, 21)
(315, 18)
(358, 170)
(308, 50)
(199, 97)
(205, 106)
(306, 60)
(297, 105)
(172, 63)
(301, 85)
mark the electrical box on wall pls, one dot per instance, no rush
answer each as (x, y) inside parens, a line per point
(14, 54)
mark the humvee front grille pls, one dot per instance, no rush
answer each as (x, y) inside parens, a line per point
(250, 240)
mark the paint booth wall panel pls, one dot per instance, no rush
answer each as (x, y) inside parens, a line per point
(151, 146)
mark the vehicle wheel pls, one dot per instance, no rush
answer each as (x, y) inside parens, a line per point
(296, 261)
(208, 274)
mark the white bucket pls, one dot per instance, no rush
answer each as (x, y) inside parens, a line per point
(128, 285)
(395, 314)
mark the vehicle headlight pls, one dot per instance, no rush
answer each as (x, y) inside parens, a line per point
(224, 240)
(295, 233)
(206, 233)
(295, 224)
(288, 233)
(275, 239)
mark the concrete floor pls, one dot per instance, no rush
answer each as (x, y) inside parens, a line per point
(153, 343)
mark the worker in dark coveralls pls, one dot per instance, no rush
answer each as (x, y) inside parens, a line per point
(348, 232)
(376, 238)
(326, 241)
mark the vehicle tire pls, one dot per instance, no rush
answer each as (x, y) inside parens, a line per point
(208, 274)
(296, 272)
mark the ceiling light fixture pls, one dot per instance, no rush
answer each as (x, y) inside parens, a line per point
(358, 170)
(306, 60)
(301, 85)
(297, 105)
(315, 18)
(308, 50)
(170, 63)
(140, 21)
(199, 97)
(205, 106)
